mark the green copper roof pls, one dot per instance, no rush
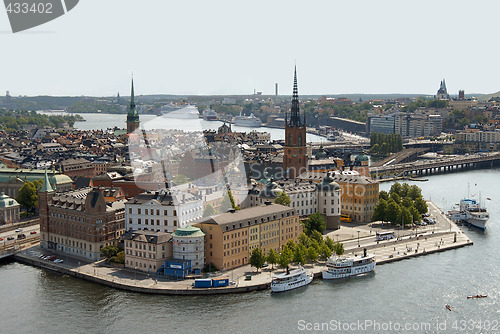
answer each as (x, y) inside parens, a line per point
(46, 187)
(188, 231)
(6, 201)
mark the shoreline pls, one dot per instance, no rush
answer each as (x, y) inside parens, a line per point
(387, 251)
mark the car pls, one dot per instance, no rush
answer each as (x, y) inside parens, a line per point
(58, 261)
(1, 239)
(10, 238)
(41, 256)
(33, 232)
(19, 230)
(52, 258)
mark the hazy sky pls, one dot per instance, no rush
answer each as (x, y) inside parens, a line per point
(234, 47)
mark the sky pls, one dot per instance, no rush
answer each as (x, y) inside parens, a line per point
(233, 47)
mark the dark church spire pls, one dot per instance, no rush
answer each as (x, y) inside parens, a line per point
(295, 112)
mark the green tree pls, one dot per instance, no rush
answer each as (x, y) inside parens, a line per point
(414, 192)
(396, 188)
(415, 215)
(380, 211)
(329, 243)
(338, 248)
(283, 199)
(406, 216)
(257, 259)
(228, 202)
(421, 205)
(272, 258)
(299, 254)
(304, 239)
(209, 210)
(315, 222)
(285, 257)
(290, 244)
(109, 251)
(312, 254)
(393, 212)
(325, 252)
(315, 235)
(383, 195)
(118, 258)
(180, 179)
(27, 196)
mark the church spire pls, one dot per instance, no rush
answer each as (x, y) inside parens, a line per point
(133, 115)
(295, 112)
(46, 187)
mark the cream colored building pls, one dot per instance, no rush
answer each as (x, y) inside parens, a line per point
(146, 250)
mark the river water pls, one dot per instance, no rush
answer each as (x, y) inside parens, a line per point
(412, 292)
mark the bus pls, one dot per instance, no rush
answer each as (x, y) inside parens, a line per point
(384, 235)
(345, 218)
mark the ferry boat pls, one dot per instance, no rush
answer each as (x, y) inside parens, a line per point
(187, 112)
(290, 280)
(470, 211)
(247, 121)
(209, 115)
(342, 267)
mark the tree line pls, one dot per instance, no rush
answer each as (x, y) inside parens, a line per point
(381, 143)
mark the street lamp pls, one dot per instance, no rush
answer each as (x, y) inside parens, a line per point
(135, 275)
(358, 238)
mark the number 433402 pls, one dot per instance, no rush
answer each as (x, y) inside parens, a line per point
(25, 8)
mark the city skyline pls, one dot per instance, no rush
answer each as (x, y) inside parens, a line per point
(222, 48)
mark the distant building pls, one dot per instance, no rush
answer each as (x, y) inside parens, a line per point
(133, 115)
(9, 210)
(12, 179)
(477, 140)
(188, 243)
(442, 93)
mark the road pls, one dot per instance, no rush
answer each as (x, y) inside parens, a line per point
(25, 230)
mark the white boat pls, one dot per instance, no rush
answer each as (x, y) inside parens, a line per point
(248, 121)
(290, 280)
(187, 112)
(342, 267)
(209, 115)
(470, 211)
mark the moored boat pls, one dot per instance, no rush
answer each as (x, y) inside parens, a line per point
(342, 267)
(290, 280)
(248, 121)
(472, 212)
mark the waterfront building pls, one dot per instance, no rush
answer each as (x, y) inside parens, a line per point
(79, 222)
(230, 235)
(12, 179)
(133, 115)
(421, 123)
(477, 140)
(9, 210)
(163, 210)
(146, 250)
(188, 243)
(295, 153)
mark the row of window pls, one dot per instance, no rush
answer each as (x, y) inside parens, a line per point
(152, 212)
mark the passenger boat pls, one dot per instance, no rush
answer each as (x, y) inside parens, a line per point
(247, 121)
(209, 115)
(476, 296)
(470, 212)
(290, 280)
(342, 267)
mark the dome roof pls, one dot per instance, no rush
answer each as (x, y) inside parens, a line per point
(188, 231)
(361, 157)
(6, 201)
(328, 183)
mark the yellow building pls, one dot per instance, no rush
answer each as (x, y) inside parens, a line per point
(231, 236)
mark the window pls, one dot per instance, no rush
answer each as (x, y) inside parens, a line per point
(129, 210)
(165, 212)
(139, 210)
(175, 222)
(139, 221)
(146, 211)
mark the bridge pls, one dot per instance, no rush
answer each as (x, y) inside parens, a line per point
(442, 165)
(407, 155)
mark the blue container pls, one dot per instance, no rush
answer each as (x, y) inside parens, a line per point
(219, 282)
(203, 283)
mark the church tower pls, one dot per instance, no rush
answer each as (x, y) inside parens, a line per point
(133, 115)
(295, 156)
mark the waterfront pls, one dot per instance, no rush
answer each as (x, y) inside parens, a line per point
(410, 291)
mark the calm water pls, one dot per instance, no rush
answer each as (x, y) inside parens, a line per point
(96, 121)
(413, 291)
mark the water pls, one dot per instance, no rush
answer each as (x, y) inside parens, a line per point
(100, 121)
(413, 291)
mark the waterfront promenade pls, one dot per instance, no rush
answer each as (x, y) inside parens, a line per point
(408, 244)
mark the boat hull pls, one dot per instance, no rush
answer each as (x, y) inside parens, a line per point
(333, 274)
(292, 285)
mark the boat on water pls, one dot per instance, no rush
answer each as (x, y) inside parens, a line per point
(476, 296)
(209, 115)
(187, 112)
(471, 212)
(342, 267)
(247, 121)
(290, 280)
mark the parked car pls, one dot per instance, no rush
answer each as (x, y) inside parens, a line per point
(58, 261)
(10, 238)
(1, 239)
(51, 258)
(21, 236)
(33, 232)
(19, 230)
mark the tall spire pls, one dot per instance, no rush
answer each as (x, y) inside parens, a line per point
(46, 187)
(294, 114)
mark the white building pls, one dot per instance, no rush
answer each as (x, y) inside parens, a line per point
(162, 211)
(188, 243)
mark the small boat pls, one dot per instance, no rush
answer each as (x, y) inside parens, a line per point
(290, 280)
(342, 267)
(448, 307)
(476, 296)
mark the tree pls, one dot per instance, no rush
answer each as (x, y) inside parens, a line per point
(338, 248)
(315, 222)
(396, 188)
(421, 205)
(304, 239)
(312, 254)
(329, 242)
(209, 210)
(324, 251)
(315, 235)
(180, 179)
(383, 195)
(415, 215)
(414, 192)
(380, 210)
(393, 212)
(406, 216)
(109, 251)
(290, 244)
(285, 257)
(27, 196)
(299, 254)
(272, 258)
(283, 199)
(257, 259)
(118, 258)
(228, 202)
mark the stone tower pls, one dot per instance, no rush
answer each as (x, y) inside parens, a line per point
(295, 155)
(133, 115)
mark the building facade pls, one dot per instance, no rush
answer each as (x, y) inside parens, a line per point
(188, 243)
(133, 115)
(146, 250)
(9, 210)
